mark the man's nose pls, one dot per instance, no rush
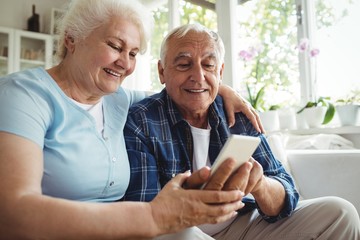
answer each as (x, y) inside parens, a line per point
(197, 73)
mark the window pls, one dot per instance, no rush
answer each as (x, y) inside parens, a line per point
(338, 38)
(267, 54)
(270, 33)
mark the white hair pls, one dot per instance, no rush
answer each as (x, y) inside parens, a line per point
(181, 31)
(83, 16)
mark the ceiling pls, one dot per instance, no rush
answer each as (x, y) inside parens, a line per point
(203, 3)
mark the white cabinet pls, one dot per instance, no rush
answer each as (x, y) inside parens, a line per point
(21, 49)
(6, 50)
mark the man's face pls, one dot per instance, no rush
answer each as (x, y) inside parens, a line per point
(191, 73)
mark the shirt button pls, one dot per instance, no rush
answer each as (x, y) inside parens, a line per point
(114, 159)
(173, 175)
(111, 183)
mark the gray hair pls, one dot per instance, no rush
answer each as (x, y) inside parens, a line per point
(83, 16)
(181, 31)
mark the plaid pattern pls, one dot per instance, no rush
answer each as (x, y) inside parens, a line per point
(159, 145)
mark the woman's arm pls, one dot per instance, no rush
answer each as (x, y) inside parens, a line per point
(26, 213)
(234, 102)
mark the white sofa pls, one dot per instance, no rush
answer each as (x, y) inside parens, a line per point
(326, 173)
(322, 172)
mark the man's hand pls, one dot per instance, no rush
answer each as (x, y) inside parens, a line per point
(175, 208)
(247, 178)
(215, 182)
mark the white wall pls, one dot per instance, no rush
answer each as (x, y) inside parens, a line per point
(15, 13)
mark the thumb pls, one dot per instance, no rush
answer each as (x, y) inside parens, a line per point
(181, 178)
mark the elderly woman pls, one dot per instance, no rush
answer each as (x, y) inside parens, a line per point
(62, 149)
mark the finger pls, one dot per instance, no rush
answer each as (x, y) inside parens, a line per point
(218, 197)
(180, 179)
(197, 179)
(225, 212)
(230, 112)
(214, 211)
(254, 118)
(255, 177)
(261, 128)
(219, 178)
(239, 180)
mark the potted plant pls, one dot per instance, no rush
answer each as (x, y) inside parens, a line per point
(269, 116)
(256, 99)
(348, 109)
(318, 112)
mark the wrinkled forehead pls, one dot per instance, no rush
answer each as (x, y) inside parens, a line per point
(193, 43)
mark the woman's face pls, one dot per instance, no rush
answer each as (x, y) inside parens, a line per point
(106, 57)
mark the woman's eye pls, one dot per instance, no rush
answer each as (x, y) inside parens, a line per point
(133, 54)
(115, 47)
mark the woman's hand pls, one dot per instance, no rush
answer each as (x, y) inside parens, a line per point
(176, 208)
(234, 102)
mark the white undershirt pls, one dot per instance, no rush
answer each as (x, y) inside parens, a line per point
(201, 140)
(95, 110)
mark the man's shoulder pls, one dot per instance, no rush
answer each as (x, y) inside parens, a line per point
(148, 104)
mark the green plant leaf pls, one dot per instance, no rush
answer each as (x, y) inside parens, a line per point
(274, 107)
(259, 98)
(330, 112)
(308, 105)
(250, 97)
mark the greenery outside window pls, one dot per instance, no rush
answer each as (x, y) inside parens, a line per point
(272, 32)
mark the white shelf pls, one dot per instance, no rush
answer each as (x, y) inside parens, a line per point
(25, 49)
(326, 130)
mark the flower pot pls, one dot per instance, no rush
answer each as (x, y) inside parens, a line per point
(314, 116)
(348, 114)
(287, 118)
(270, 120)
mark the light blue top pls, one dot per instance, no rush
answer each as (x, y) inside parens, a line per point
(79, 163)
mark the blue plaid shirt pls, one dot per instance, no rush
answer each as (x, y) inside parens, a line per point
(160, 145)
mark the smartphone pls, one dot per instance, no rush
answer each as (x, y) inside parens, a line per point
(239, 147)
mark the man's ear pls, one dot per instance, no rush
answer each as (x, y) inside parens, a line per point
(222, 72)
(69, 43)
(161, 72)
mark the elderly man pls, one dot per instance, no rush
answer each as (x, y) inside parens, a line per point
(184, 127)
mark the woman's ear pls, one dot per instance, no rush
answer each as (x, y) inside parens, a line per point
(69, 43)
(161, 72)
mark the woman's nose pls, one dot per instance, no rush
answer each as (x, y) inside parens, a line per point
(123, 61)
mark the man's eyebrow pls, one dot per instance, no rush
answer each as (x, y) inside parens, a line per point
(181, 55)
(211, 55)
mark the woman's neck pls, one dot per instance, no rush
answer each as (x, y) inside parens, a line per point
(70, 87)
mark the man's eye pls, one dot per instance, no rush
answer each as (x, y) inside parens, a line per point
(209, 66)
(184, 65)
